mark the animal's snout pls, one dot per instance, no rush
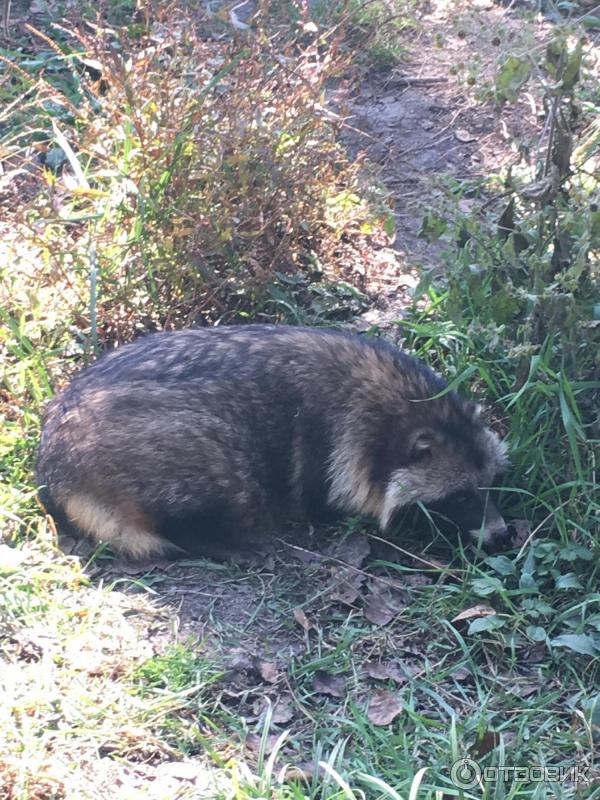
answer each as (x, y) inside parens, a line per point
(500, 537)
(494, 533)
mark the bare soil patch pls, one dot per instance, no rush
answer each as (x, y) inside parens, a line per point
(432, 123)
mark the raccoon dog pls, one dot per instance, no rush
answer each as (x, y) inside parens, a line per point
(199, 438)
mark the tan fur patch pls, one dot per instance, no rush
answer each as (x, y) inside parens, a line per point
(124, 526)
(351, 488)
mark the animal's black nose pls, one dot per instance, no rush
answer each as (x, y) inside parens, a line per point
(502, 538)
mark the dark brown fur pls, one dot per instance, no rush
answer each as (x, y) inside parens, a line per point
(202, 435)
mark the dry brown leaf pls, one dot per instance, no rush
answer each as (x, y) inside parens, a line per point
(487, 742)
(383, 672)
(283, 710)
(267, 670)
(479, 610)
(347, 584)
(333, 685)
(253, 741)
(301, 619)
(384, 707)
(463, 135)
(353, 550)
(382, 605)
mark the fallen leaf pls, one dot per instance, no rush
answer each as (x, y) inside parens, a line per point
(383, 672)
(332, 685)
(384, 707)
(253, 741)
(479, 610)
(352, 550)
(485, 743)
(283, 710)
(462, 674)
(382, 605)
(267, 670)
(347, 585)
(301, 619)
(463, 135)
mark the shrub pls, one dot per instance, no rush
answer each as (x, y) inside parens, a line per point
(187, 175)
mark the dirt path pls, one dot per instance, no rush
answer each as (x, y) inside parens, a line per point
(432, 125)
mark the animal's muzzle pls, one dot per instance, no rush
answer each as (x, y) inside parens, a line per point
(493, 532)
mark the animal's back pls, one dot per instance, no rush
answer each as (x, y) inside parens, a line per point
(251, 352)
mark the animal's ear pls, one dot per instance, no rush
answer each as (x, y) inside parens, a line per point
(423, 442)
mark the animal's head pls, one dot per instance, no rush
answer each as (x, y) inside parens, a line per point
(450, 461)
